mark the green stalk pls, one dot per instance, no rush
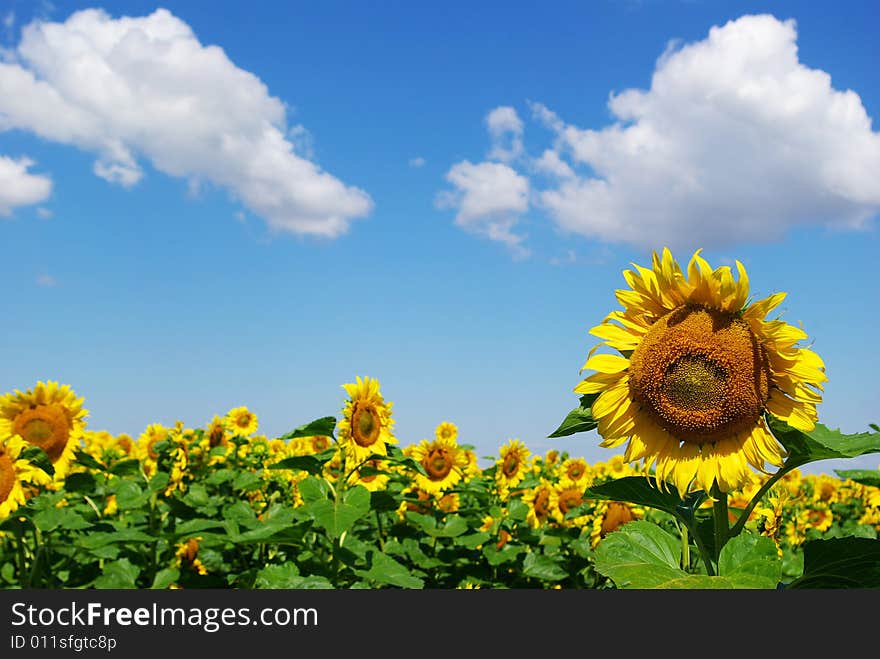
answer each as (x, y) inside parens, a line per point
(722, 522)
(744, 517)
(21, 559)
(704, 551)
(381, 531)
(33, 580)
(685, 549)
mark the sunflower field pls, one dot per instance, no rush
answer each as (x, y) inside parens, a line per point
(714, 406)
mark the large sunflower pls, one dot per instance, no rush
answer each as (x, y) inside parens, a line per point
(366, 423)
(699, 368)
(14, 471)
(49, 416)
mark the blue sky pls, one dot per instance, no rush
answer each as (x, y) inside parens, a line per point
(206, 205)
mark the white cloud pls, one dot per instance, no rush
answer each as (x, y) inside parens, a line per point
(20, 188)
(736, 140)
(44, 213)
(489, 198)
(552, 165)
(505, 129)
(417, 162)
(146, 88)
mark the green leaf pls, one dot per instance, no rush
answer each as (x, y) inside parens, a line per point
(396, 456)
(840, 563)
(580, 419)
(752, 561)
(81, 481)
(118, 574)
(506, 554)
(193, 526)
(472, 540)
(313, 464)
(287, 577)
(165, 577)
(64, 518)
(197, 496)
(455, 525)
(517, 510)
(325, 426)
(87, 460)
(386, 570)
(313, 489)
(544, 568)
(159, 481)
(863, 476)
(129, 495)
(822, 443)
(247, 481)
(241, 513)
(644, 491)
(37, 457)
(94, 540)
(640, 555)
(126, 467)
(337, 517)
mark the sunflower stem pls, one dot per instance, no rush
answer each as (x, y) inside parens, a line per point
(685, 549)
(381, 531)
(22, 571)
(704, 551)
(747, 511)
(722, 522)
(33, 580)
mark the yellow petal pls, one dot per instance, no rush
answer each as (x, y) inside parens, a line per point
(607, 363)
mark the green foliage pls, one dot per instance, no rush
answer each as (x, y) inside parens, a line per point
(255, 514)
(642, 555)
(580, 419)
(841, 563)
(822, 443)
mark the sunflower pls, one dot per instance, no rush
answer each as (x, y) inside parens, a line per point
(577, 471)
(49, 416)
(373, 475)
(538, 501)
(826, 489)
(366, 423)
(14, 471)
(241, 421)
(513, 465)
(216, 432)
(565, 497)
(443, 461)
(145, 448)
(311, 445)
(187, 555)
(446, 430)
(698, 371)
(610, 516)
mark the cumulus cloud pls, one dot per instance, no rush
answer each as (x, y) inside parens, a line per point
(20, 188)
(489, 197)
(506, 130)
(551, 164)
(144, 88)
(736, 140)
